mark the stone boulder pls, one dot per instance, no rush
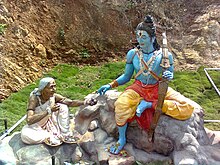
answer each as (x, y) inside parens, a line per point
(176, 142)
(181, 142)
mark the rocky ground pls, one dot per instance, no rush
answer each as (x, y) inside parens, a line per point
(176, 142)
(41, 34)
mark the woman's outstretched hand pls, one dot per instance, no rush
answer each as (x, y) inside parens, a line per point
(90, 101)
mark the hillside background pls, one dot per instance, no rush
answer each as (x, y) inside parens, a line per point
(36, 35)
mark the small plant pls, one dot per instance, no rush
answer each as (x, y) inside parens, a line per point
(130, 4)
(2, 28)
(61, 33)
(84, 53)
(61, 36)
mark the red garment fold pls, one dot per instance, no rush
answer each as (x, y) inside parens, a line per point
(150, 94)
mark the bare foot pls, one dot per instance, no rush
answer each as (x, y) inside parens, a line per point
(115, 149)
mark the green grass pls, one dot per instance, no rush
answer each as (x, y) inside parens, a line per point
(76, 82)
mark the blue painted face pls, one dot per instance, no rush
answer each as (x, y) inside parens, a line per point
(143, 39)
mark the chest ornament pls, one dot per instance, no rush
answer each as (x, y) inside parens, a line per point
(149, 63)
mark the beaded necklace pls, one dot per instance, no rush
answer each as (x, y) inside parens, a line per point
(149, 63)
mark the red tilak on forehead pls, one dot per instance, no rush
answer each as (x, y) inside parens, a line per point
(140, 34)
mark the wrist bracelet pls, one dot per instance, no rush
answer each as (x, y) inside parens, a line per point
(113, 84)
(86, 101)
(49, 110)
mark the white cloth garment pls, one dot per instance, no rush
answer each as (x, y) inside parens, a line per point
(52, 127)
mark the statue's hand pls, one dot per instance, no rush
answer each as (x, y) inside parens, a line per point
(168, 75)
(103, 89)
(90, 101)
(55, 108)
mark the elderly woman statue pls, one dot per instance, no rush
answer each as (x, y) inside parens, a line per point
(48, 114)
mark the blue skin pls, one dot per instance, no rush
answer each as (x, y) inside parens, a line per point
(146, 44)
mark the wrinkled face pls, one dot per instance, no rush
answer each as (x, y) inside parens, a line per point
(143, 39)
(50, 89)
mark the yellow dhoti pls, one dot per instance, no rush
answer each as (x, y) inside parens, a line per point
(175, 105)
(126, 105)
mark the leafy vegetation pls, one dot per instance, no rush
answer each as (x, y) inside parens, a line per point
(84, 53)
(61, 33)
(2, 28)
(76, 82)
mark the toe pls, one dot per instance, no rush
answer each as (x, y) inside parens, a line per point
(112, 149)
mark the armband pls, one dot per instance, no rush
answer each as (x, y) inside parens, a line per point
(113, 84)
(30, 109)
